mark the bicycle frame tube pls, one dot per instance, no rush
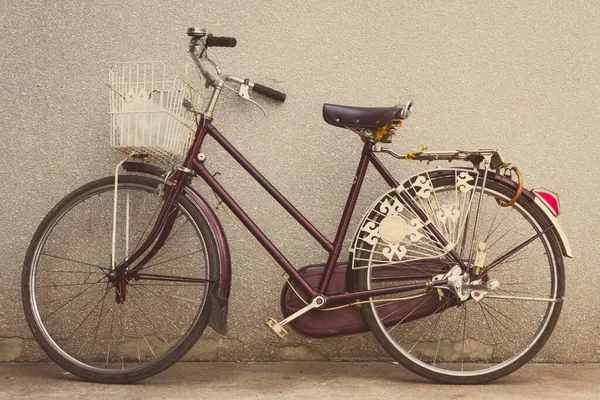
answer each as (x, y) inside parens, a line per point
(310, 228)
(346, 215)
(333, 248)
(198, 166)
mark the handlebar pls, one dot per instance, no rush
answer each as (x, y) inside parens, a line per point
(220, 41)
(267, 91)
(199, 43)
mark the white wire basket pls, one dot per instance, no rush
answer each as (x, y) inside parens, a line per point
(150, 115)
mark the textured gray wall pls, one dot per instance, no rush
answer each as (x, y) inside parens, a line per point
(519, 76)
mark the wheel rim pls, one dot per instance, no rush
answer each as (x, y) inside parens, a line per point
(477, 338)
(74, 306)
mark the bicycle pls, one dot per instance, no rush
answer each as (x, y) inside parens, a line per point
(458, 272)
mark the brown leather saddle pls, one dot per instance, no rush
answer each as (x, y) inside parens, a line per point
(360, 117)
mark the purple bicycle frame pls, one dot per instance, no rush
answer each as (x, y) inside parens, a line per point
(333, 248)
(165, 219)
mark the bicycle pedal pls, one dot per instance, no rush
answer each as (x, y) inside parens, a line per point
(276, 327)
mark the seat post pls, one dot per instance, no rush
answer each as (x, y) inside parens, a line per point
(347, 215)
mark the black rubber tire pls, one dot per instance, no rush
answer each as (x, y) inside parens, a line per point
(172, 355)
(360, 278)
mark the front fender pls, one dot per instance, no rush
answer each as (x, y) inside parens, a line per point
(220, 292)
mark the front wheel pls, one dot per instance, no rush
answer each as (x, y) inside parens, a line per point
(118, 332)
(508, 311)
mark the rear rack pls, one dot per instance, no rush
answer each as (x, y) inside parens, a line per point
(492, 157)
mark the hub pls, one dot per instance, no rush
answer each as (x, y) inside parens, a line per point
(463, 288)
(121, 291)
(120, 282)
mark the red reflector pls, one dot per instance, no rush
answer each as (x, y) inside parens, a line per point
(550, 198)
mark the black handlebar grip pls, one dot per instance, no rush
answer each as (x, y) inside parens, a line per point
(267, 91)
(220, 41)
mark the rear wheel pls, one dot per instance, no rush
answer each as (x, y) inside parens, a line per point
(508, 312)
(73, 309)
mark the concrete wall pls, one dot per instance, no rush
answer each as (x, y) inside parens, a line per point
(519, 76)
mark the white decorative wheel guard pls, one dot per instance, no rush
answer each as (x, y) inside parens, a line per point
(391, 232)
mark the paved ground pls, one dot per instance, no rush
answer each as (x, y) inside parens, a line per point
(324, 380)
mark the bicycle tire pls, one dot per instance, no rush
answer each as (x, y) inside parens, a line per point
(175, 312)
(489, 347)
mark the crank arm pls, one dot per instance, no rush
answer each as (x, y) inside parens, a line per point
(278, 328)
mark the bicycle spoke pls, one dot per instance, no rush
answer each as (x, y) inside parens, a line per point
(513, 333)
(148, 226)
(100, 317)
(492, 231)
(87, 316)
(172, 259)
(418, 325)
(69, 284)
(511, 260)
(83, 307)
(162, 298)
(435, 324)
(489, 328)
(122, 336)
(176, 231)
(110, 338)
(515, 250)
(75, 261)
(139, 330)
(501, 327)
(151, 322)
(406, 316)
(143, 207)
(72, 299)
(173, 296)
(70, 272)
(69, 296)
(509, 291)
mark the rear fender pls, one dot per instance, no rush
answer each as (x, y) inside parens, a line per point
(220, 291)
(564, 243)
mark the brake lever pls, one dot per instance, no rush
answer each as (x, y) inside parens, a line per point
(244, 94)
